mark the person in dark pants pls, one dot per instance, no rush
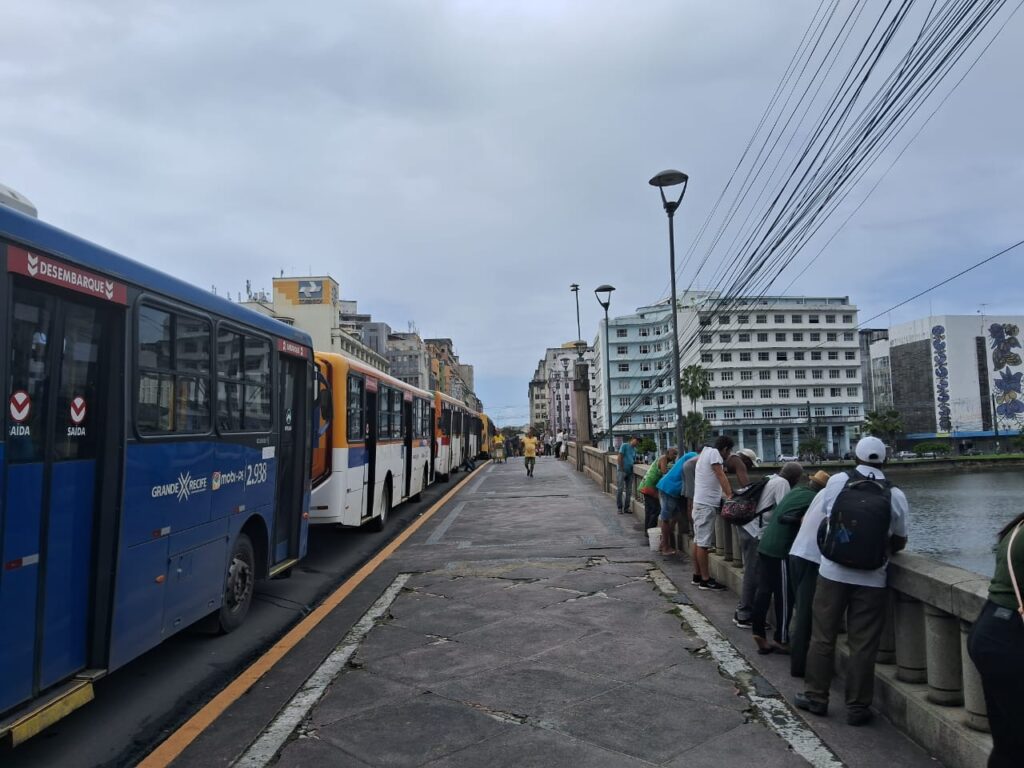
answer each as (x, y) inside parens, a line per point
(774, 579)
(996, 646)
(803, 577)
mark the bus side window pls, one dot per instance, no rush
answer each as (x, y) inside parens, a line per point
(356, 405)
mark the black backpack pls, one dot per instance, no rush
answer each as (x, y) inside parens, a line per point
(742, 507)
(856, 531)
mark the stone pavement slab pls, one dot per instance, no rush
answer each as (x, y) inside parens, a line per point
(532, 633)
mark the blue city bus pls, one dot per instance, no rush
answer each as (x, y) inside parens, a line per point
(155, 463)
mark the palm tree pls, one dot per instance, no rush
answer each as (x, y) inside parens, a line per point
(885, 424)
(693, 383)
(695, 429)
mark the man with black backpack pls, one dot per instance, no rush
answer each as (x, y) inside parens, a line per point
(863, 520)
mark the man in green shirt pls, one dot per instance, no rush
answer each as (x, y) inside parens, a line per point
(773, 562)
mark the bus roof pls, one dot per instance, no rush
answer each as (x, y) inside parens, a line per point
(33, 233)
(334, 358)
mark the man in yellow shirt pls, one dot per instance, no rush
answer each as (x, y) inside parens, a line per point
(529, 444)
(499, 449)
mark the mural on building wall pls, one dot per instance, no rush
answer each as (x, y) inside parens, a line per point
(944, 420)
(1009, 405)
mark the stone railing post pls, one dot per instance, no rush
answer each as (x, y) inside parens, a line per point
(974, 697)
(733, 533)
(723, 543)
(942, 644)
(911, 664)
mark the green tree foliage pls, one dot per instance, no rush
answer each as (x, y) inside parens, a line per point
(812, 447)
(885, 424)
(695, 429)
(693, 384)
(647, 445)
(938, 447)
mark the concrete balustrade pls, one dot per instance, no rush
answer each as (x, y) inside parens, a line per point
(933, 693)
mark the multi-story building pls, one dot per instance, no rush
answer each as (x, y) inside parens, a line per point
(552, 402)
(314, 305)
(779, 370)
(407, 355)
(868, 374)
(955, 376)
(450, 376)
(375, 336)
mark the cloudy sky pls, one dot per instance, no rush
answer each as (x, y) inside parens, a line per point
(458, 164)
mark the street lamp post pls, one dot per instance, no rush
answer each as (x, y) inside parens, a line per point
(606, 302)
(664, 179)
(575, 288)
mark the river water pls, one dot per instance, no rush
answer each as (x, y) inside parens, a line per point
(954, 517)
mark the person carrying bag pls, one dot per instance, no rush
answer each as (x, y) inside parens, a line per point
(996, 646)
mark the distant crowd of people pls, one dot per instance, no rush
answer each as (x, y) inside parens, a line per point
(529, 446)
(818, 550)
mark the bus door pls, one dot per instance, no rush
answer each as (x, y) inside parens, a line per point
(291, 456)
(410, 427)
(64, 392)
(370, 475)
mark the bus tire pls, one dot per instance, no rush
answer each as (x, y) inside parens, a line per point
(378, 523)
(239, 587)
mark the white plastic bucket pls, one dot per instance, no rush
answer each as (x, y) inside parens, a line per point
(654, 538)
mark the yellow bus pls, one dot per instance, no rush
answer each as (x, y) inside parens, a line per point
(375, 449)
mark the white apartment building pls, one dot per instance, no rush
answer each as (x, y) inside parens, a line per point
(552, 403)
(778, 368)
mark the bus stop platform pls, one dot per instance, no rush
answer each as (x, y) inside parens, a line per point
(527, 623)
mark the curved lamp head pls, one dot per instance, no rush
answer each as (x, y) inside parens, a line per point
(581, 347)
(565, 364)
(604, 295)
(669, 178)
(574, 287)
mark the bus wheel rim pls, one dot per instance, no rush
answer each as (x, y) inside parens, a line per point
(239, 583)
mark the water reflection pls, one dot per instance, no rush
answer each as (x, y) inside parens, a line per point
(954, 517)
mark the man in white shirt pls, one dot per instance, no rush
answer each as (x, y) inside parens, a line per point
(710, 487)
(859, 594)
(750, 536)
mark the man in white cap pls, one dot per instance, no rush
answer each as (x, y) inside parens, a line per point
(861, 519)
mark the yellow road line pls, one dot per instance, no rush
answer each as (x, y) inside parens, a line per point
(178, 741)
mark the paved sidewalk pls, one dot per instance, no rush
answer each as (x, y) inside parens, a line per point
(530, 626)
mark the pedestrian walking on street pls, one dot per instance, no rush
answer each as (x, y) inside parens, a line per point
(559, 439)
(774, 583)
(547, 445)
(996, 646)
(624, 475)
(671, 500)
(649, 487)
(865, 521)
(710, 487)
(749, 535)
(529, 447)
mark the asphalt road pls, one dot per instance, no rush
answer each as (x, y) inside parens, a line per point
(140, 704)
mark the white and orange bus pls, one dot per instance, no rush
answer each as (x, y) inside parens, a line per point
(375, 449)
(458, 434)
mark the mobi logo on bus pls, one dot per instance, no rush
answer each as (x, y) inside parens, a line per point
(60, 273)
(183, 488)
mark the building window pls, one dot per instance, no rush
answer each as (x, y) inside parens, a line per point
(746, 375)
(742, 319)
(723, 319)
(784, 412)
(764, 375)
(725, 338)
(833, 354)
(797, 318)
(798, 355)
(800, 374)
(780, 337)
(728, 394)
(850, 354)
(817, 374)
(623, 367)
(743, 338)
(645, 349)
(645, 366)
(747, 394)
(620, 333)
(623, 384)
(658, 347)
(798, 337)
(710, 375)
(726, 375)
(812, 319)
(781, 356)
(744, 357)
(748, 413)
(762, 356)
(815, 337)
(801, 412)
(645, 383)
(766, 413)
(648, 418)
(780, 319)
(762, 337)
(709, 415)
(766, 393)
(834, 373)
(623, 402)
(830, 318)
(711, 395)
(851, 391)
(832, 336)
(835, 392)
(705, 319)
(818, 391)
(728, 413)
(847, 318)
(851, 373)
(848, 336)
(782, 375)
(705, 338)
(853, 410)
(645, 331)
(837, 410)
(815, 355)
(647, 401)
(705, 357)
(727, 357)
(819, 411)
(783, 393)
(762, 319)
(801, 392)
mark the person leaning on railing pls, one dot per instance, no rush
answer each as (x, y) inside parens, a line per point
(996, 646)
